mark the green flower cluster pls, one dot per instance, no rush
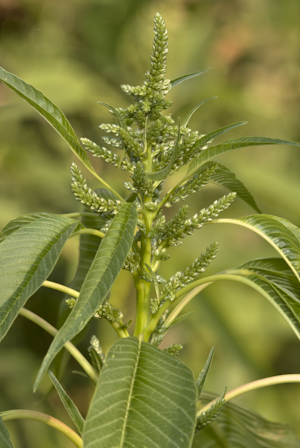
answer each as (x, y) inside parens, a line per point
(209, 416)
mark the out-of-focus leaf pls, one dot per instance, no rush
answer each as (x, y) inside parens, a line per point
(4, 436)
(144, 397)
(100, 278)
(239, 427)
(68, 403)
(27, 257)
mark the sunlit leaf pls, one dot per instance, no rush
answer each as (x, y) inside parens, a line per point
(228, 145)
(27, 257)
(144, 398)
(183, 78)
(100, 278)
(239, 427)
(68, 403)
(52, 114)
(4, 436)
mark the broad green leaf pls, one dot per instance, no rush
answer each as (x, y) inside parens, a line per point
(27, 257)
(203, 374)
(280, 233)
(144, 398)
(4, 436)
(228, 145)
(69, 405)
(162, 174)
(223, 176)
(52, 114)
(239, 427)
(100, 278)
(189, 115)
(176, 81)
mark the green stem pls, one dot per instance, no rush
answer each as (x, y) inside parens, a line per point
(270, 381)
(108, 186)
(68, 345)
(61, 288)
(43, 418)
(89, 232)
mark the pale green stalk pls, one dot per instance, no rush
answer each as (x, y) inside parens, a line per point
(89, 232)
(61, 288)
(270, 381)
(43, 418)
(68, 345)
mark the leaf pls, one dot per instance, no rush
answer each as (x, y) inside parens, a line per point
(4, 436)
(69, 405)
(229, 145)
(15, 224)
(106, 266)
(188, 117)
(240, 427)
(52, 114)
(223, 176)
(280, 233)
(162, 174)
(176, 81)
(202, 377)
(27, 257)
(116, 113)
(144, 397)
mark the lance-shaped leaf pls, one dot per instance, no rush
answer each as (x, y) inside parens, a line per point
(280, 233)
(144, 398)
(4, 436)
(27, 257)
(68, 403)
(52, 114)
(23, 220)
(189, 115)
(183, 78)
(228, 145)
(100, 278)
(238, 426)
(223, 176)
(203, 374)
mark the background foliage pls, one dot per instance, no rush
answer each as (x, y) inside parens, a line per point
(79, 53)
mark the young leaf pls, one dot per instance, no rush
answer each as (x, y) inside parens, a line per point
(4, 436)
(162, 174)
(144, 397)
(69, 405)
(27, 257)
(229, 145)
(280, 233)
(52, 114)
(106, 266)
(189, 115)
(115, 113)
(237, 426)
(223, 176)
(176, 81)
(202, 377)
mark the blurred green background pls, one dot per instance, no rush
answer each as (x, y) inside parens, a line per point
(78, 53)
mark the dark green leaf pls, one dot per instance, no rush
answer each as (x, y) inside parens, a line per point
(52, 114)
(23, 220)
(69, 405)
(223, 176)
(144, 397)
(202, 377)
(176, 81)
(27, 257)
(240, 427)
(229, 145)
(106, 266)
(4, 436)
